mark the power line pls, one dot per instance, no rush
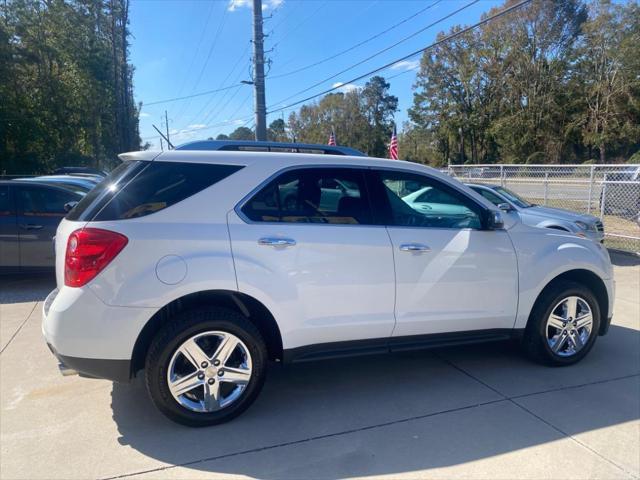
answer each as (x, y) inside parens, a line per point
(235, 81)
(440, 20)
(209, 127)
(175, 99)
(406, 57)
(377, 35)
(206, 62)
(197, 50)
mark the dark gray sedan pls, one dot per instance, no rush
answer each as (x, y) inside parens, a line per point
(30, 212)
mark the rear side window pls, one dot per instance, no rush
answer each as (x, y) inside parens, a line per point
(102, 193)
(313, 195)
(160, 185)
(147, 187)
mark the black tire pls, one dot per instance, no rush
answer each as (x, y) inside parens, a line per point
(182, 327)
(535, 337)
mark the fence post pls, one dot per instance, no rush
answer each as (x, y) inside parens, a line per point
(603, 197)
(590, 189)
(546, 187)
(502, 176)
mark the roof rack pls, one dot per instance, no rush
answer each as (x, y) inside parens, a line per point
(280, 147)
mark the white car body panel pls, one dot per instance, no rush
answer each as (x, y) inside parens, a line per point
(335, 284)
(338, 283)
(467, 281)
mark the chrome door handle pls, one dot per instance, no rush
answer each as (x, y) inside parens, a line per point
(414, 247)
(277, 242)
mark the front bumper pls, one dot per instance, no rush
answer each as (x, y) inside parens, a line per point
(90, 337)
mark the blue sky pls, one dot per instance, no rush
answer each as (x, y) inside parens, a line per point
(184, 47)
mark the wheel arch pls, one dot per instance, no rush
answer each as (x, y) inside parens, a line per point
(244, 304)
(589, 279)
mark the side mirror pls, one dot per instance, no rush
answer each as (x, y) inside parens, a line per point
(69, 206)
(505, 207)
(495, 221)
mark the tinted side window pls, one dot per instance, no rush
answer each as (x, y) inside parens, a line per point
(160, 185)
(41, 201)
(419, 201)
(6, 209)
(313, 195)
(492, 197)
(102, 193)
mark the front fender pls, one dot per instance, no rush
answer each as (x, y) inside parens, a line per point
(545, 254)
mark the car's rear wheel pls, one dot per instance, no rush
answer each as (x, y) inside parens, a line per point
(563, 325)
(205, 366)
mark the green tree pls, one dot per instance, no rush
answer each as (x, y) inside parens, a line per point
(65, 84)
(378, 107)
(608, 70)
(242, 133)
(277, 131)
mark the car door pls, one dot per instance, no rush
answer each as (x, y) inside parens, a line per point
(315, 257)
(40, 210)
(451, 274)
(9, 239)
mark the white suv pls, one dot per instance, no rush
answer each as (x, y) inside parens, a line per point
(199, 267)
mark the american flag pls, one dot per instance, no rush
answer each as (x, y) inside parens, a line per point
(332, 139)
(393, 146)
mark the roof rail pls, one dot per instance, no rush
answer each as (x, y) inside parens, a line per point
(280, 147)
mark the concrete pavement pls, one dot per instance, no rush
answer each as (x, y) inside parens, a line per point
(473, 412)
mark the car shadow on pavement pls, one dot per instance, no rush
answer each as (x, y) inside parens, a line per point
(26, 288)
(620, 259)
(397, 413)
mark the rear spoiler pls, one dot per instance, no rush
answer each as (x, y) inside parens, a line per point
(144, 155)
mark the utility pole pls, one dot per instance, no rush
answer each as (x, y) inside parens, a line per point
(166, 121)
(258, 68)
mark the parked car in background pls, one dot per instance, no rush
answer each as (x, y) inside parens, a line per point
(187, 266)
(621, 193)
(29, 216)
(584, 225)
(79, 170)
(79, 184)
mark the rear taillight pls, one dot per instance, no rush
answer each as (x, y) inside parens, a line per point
(89, 251)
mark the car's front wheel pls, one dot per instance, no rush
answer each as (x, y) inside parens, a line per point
(563, 325)
(205, 366)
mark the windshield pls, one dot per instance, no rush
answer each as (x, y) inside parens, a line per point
(513, 198)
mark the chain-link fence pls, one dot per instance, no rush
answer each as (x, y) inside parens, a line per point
(610, 192)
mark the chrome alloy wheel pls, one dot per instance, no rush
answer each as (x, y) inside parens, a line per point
(569, 326)
(209, 371)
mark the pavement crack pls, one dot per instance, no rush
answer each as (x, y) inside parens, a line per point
(309, 439)
(503, 398)
(19, 328)
(513, 401)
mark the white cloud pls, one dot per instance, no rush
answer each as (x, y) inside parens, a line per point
(196, 126)
(144, 114)
(406, 65)
(268, 4)
(346, 87)
(235, 4)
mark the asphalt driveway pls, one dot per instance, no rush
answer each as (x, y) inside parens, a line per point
(473, 412)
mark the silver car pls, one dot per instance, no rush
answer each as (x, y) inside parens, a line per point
(583, 225)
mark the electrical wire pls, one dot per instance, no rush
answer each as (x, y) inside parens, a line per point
(406, 57)
(353, 47)
(440, 20)
(187, 104)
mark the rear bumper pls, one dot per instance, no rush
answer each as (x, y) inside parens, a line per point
(116, 370)
(90, 337)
